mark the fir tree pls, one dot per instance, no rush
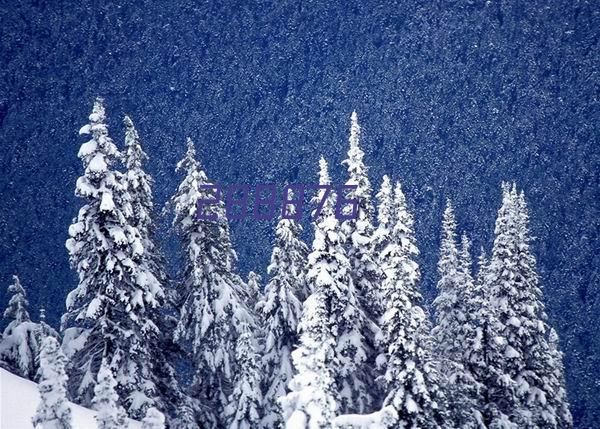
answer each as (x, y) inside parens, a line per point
(153, 419)
(106, 401)
(385, 215)
(16, 311)
(20, 345)
(280, 311)
(108, 314)
(311, 403)
(44, 330)
(319, 376)
(456, 331)
(245, 404)
(162, 350)
(366, 276)
(522, 392)
(139, 185)
(411, 377)
(53, 411)
(213, 307)
(556, 384)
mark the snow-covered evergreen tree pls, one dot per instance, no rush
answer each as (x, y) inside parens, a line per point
(280, 311)
(456, 331)
(385, 216)
(139, 185)
(53, 411)
(109, 313)
(364, 270)
(556, 384)
(411, 377)
(162, 349)
(106, 400)
(153, 419)
(16, 311)
(311, 403)
(20, 345)
(213, 308)
(320, 376)
(527, 378)
(45, 329)
(245, 405)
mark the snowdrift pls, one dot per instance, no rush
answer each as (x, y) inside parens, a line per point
(19, 399)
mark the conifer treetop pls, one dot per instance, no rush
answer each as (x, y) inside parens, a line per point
(17, 306)
(135, 154)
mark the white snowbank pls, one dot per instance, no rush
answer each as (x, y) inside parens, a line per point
(19, 399)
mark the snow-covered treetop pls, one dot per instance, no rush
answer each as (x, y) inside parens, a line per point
(357, 170)
(448, 262)
(324, 179)
(189, 162)
(403, 227)
(97, 154)
(385, 212)
(135, 156)
(466, 261)
(17, 306)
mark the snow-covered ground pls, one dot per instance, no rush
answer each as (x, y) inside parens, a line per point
(19, 399)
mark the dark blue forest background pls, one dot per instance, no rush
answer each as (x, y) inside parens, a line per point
(453, 97)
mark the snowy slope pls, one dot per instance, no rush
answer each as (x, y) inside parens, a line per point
(19, 398)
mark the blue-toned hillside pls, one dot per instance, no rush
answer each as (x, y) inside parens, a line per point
(453, 98)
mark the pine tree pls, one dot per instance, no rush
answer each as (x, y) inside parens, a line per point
(53, 411)
(139, 185)
(411, 377)
(16, 311)
(245, 404)
(212, 308)
(162, 350)
(153, 419)
(319, 377)
(366, 276)
(280, 311)
(385, 215)
(44, 330)
(311, 403)
(522, 392)
(109, 414)
(20, 345)
(108, 313)
(456, 331)
(556, 384)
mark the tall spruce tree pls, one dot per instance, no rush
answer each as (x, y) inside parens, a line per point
(280, 311)
(364, 270)
(411, 377)
(107, 314)
(162, 349)
(322, 373)
(53, 411)
(212, 307)
(524, 390)
(456, 331)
